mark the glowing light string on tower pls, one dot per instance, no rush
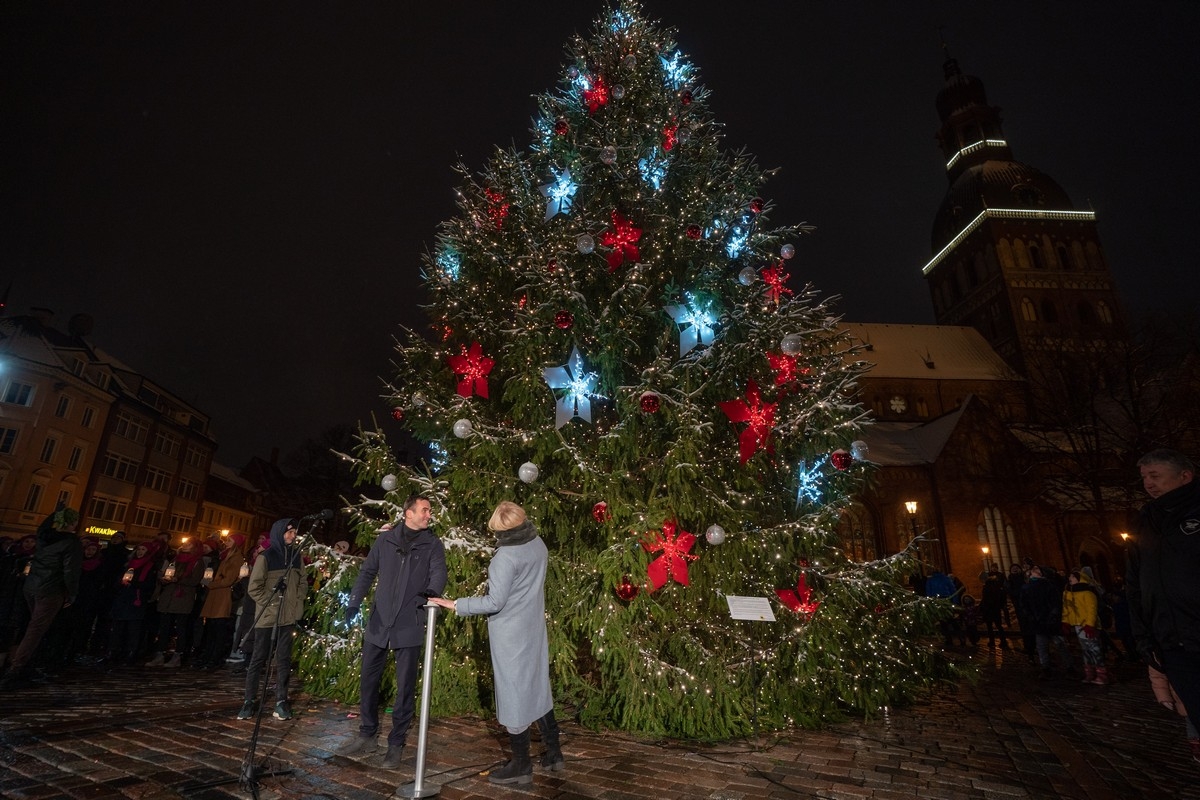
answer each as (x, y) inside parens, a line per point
(579, 387)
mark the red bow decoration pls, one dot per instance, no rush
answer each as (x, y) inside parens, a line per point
(800, 599)
(596, 96)
(473, 367)
(761, 417)
(497, 206)
(776, 280)
(672, 564)
(621, 239)
(670, 136)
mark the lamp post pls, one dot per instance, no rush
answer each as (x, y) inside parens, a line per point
(985, 558)
(911, 507)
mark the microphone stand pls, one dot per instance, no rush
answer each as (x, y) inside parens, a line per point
(250, 773)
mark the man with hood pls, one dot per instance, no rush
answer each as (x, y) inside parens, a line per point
(1163, 577)
(410, 563)
(278, 585)
(52, 585)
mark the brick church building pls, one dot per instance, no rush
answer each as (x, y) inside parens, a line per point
(966, 440)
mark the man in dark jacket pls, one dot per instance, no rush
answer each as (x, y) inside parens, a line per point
(1041, 605)
(278, 585)
(52, 585)
(1163, 576)
(410, 562)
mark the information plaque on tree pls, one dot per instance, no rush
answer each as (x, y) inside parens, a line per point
(757, 609)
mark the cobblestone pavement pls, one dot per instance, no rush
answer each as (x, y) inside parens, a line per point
(157, 733)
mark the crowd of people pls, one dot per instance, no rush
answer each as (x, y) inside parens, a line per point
(69, 599)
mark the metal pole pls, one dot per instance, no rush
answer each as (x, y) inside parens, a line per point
(418, 788)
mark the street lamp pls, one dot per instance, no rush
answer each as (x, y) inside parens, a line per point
(985, 557)
(911, 507)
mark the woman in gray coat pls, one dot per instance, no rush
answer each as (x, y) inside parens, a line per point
(515, 606)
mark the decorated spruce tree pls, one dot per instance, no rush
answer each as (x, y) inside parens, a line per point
(616, 345)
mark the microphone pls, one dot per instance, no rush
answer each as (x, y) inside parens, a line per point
(324, 515)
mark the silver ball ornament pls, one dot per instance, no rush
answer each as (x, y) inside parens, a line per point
(787, 251)
(629, 61)
(388, 483)
(572, 72)
(618, 91)
(585, 243)
(463, 428)
(528, 472)
(791, 343)
(747, 276)
(715, 534)
(418, 399)
(608, 154)
(859, 450)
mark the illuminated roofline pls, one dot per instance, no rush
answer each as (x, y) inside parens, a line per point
(971, 148)
(1004, 213)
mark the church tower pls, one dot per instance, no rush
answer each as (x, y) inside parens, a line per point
(1012, 255)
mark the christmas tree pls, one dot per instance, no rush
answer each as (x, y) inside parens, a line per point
(616, 346)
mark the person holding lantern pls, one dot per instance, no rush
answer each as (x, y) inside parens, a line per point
(515, 606)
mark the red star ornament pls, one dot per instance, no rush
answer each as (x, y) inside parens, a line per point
(759, 415)
(776, 280)
(672, 564)
(622, 239)
(799, 599)
(784, 366)
(472, 367)
(597, 96)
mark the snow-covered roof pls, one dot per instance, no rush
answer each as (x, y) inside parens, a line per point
(927, 352)
(903, 444)
(230, 476)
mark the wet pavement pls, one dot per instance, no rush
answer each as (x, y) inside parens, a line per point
(153, 733)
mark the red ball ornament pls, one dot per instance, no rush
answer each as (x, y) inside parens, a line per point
(841, 460)
(563, 320)
(880, 609)
(756, 205)
(803, 562)
(552, 266)
(627, 590)
(694, 231)
(600, 512)
(397, 413)
(561, 127)
(685, 97)
(651, 402)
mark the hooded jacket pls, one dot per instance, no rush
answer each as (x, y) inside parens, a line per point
(410, 565)
(1163, 579)
(280, 562)
(56, 564)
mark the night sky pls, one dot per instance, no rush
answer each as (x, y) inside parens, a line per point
(239, 193)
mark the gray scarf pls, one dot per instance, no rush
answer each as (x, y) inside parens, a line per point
(525, 532)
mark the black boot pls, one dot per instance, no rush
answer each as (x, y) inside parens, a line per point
(553, 757)
(520, 769)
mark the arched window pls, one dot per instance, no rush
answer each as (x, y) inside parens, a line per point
(1028, 310)
(1104, 313)
(922, 407)
(1064, 257)
(1049, 311)
(996, 534)
(857, 531)
(1035, 256)
(1087, 317)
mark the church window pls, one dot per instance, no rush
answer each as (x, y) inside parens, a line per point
(922, 407)
(1049, 311)
(996, 534)
(1028, 310)
(1104, 313)
(1035, 256)
(857, 530)
(1064, 257)
(1021, 254)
